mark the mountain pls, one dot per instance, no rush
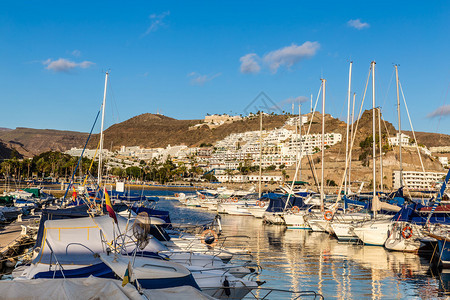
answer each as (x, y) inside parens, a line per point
(152, 131)
(6, 151)
(30, 142)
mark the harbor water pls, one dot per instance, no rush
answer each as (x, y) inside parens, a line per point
(301, 260)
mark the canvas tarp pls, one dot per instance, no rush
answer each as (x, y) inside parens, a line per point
(183, 292)
(74, 288)
(74, 241)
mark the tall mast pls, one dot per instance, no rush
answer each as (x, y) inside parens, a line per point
(100, 155)
(348, 122)
(323, 144)
(260, 152)
(294, 140)
(399, 128)
(351, 134)
(300, 141)
(373, 135)
(311, 104)
(381, 149)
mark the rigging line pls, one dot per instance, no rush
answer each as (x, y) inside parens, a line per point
(81, 156)
(412, 128)
(354, 136)
(113, 103)
(389, 87)
(313, 169)
(92, 163)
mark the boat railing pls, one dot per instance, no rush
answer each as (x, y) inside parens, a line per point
(263, 293)
(224, 240)
(52, 254)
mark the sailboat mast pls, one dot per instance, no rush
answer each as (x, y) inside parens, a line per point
(373, 134)
(100, 155)
(323, 144)
(399, 128)
(260, 152)
(348, 122)
(351, 134)
(300, 141)
(381, 149)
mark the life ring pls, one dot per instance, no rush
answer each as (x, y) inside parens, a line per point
(234, 199)
(262, 204)
(177, 195)
(202, 196)
(295, 209)
(209, 237)
(407, 232)
(258, 203)
(328, 215)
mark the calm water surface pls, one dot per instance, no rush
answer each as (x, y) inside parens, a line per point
(304, 260)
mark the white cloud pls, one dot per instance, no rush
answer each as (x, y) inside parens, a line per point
(76, 53)
(440, 111)
(156, 21)
(198, 79)
(64, 65)
(290, 55)
(295, 100)
(249, 63)
(358, 24)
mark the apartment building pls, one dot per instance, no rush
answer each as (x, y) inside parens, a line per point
(416, 180)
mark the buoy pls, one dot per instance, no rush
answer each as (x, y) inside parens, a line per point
(209, 237)
(407, 232)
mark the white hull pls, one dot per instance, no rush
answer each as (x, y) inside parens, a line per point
(344, 231)
(257, 212)
(274, 218)
(373, 232)
(397, 242)
(296, 221)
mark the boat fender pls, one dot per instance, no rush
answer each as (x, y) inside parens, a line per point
(328, 215)
(226, 285)
(407, 232)
(295, 209)
(262, 204)
(209, 237)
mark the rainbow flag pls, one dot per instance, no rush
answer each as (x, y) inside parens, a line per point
(109, 207)
(126, 277)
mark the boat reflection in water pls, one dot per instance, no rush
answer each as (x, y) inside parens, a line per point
(301, 260)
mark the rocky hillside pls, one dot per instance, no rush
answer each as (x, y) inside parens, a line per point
(29, 142)
(150, 130)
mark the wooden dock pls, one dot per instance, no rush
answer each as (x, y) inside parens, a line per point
(16, 235)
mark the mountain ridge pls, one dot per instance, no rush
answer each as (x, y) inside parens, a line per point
(155, 130)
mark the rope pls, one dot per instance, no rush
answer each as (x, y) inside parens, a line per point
(81, 156)
(354, 136)
(412, 128)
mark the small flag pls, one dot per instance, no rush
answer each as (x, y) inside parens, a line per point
(109, 207)
(74, 194)
(126, 277)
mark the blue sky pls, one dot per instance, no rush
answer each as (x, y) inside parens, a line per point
(189, 58)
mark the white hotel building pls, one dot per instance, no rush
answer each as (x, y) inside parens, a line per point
(416, 180)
